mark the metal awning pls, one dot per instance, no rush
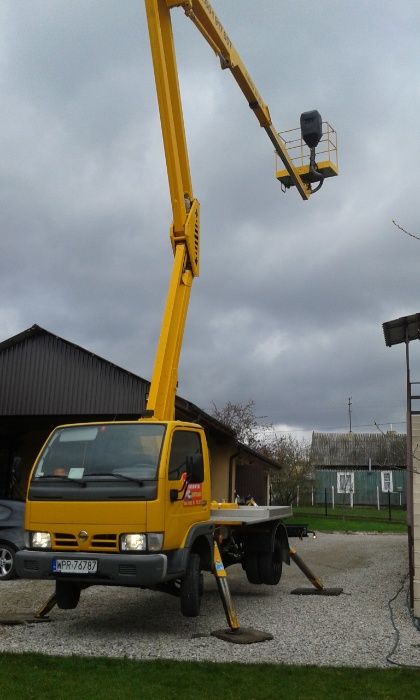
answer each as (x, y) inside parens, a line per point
(402, 329)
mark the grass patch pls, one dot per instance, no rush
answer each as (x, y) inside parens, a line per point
(362, 512)
(342, 525)
(350, 519)
(32, 676)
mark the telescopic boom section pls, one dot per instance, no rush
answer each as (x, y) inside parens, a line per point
(184, 232)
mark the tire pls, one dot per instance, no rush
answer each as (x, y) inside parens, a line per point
(252, 568)
(7, 562)
(192, 587)
(67, 595)
(270, 565)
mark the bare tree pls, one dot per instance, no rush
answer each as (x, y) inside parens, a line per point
(291, 454)
(294, 458)
(241, 418)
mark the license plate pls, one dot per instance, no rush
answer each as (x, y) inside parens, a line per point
(74, 566)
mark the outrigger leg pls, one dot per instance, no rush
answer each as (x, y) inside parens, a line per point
(235, 633)
(46, 607)
(319, 588)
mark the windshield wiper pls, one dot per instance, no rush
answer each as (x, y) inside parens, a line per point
(60, 477)
(140, 482)
(118, 475)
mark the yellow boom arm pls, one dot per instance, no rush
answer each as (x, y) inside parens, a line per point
(184, 232)
(207, 22)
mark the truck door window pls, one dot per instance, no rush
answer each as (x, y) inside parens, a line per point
(185, 443)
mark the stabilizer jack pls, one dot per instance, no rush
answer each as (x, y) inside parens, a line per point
(235, 634)
(318, 586)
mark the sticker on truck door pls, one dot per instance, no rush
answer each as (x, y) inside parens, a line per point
(193, 495)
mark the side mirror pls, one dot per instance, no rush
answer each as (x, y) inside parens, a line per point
(195, 475)
(195, 469)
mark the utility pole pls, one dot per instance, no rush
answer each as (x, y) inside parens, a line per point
(350, 412)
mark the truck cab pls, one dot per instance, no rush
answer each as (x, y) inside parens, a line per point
(120, 503)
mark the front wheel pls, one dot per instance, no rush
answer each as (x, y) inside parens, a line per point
(67, 595)
(192, 587)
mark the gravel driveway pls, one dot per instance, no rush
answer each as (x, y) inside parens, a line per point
(353, 629)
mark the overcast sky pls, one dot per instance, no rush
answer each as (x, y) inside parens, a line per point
(289, 307)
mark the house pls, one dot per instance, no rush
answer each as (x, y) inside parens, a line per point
(359, 468)
(47, 381)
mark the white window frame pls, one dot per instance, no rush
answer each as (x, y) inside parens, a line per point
(389, 486)
(349, 482)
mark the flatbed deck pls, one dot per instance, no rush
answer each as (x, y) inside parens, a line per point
(249, 514)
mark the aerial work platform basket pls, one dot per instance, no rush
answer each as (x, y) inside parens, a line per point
(299, 153)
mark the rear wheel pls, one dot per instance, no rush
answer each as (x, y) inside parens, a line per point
(67, 595)
(252, 568)
(270, 565)
(7, 562)
(264, 567)
(192, 587)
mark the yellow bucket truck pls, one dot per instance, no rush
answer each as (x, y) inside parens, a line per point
(129, 503)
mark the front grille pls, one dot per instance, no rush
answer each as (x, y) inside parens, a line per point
(66, 541)
(103, 542)
(63, 539)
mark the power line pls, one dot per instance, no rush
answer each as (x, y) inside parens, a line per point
(413, 235)
(380, 429)
(342, 427)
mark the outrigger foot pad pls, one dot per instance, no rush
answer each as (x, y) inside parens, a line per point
(21, 619)
(316, 591)
(243, 635)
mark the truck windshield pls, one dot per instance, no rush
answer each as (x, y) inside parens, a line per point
(101, 453)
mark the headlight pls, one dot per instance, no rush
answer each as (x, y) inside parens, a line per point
(40, 540)
(140, 542)
(133, 542)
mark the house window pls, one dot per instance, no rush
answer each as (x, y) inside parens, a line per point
(386, 479)
(345, 482)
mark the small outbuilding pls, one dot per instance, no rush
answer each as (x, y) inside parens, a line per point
(47, 381)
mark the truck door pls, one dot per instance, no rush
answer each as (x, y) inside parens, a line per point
(193, 506)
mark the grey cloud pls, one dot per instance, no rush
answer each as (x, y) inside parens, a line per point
(292, 295)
